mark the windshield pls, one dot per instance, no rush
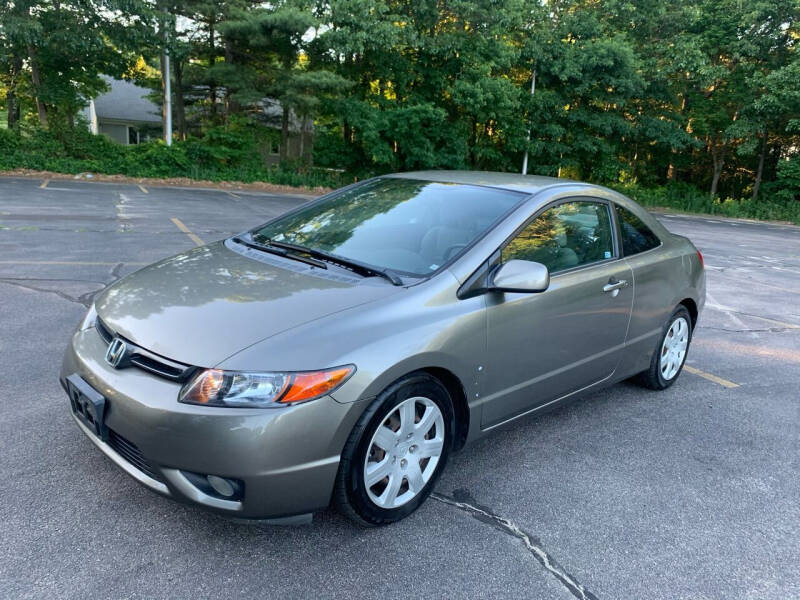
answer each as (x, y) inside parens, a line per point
(405, 225)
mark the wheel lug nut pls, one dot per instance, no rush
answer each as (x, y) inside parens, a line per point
(412, 449)
(403, 463)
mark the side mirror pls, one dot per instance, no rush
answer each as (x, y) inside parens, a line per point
(520, 276)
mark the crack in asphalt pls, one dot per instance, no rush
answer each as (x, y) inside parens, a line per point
(115, 272)
(768, 330)
(746, 314)
(462, 500)
(83, 299)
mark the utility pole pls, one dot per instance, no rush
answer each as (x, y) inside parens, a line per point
(166, 84)
(525, 160)
(167, 100)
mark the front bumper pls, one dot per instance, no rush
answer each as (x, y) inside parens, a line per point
(287, 458)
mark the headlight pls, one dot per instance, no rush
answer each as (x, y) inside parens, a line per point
(89, 319)
(214, 387)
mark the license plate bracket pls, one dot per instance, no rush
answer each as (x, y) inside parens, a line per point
(88, 405)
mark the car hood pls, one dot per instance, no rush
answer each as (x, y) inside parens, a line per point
(201, 306)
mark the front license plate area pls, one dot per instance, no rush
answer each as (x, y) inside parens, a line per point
(88, 405)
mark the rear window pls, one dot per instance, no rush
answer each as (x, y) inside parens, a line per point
(636, 236)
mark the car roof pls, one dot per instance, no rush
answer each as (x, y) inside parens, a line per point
(529, 184)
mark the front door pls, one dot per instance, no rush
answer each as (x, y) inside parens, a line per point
(544, 346)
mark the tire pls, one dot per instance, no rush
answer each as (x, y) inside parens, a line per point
(660, 376)
(385, 500)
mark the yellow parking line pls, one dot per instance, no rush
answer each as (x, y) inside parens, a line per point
(186, 230)
(144, 190)
(44, 183)
(718, 380)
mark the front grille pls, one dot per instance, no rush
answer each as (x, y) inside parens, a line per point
(128, 450)
(144, 359)
(103, 330)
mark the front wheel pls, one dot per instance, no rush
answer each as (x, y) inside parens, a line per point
(396, 452)
(670, 354)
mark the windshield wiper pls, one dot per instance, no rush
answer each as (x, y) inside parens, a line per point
(348, 263)
(273, 249)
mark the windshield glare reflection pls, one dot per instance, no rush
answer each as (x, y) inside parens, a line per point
(409, 226)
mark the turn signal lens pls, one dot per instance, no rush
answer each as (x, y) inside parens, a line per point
(702, 260)
(214, 387)
(307, 386)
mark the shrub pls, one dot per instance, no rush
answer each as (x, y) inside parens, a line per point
(231, 154)
(684, 197)
(787, 186)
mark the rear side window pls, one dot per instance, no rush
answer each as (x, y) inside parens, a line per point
(636, 236)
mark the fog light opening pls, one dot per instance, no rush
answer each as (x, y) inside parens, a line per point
(215, 486)
(224, 487)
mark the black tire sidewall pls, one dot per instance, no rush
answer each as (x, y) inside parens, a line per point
(414, 385)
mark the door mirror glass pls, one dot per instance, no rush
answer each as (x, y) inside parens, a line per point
(521, 276)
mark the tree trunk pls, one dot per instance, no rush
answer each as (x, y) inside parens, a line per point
(11, 93)
(180, 107)
(212, 57)
(760, 170)
(231, 105)
(13, 108)
(672, 170)
(37, 86)
(284, 150)
(718, 158)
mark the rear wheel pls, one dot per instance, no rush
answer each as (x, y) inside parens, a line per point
(396, 452)
(670, 354)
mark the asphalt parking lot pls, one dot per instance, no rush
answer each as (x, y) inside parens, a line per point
(688, 493)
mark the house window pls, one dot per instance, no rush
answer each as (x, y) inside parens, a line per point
(133, 135)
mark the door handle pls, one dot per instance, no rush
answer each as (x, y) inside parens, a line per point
(614, 284)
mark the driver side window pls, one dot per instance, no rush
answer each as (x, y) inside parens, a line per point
(565, 236)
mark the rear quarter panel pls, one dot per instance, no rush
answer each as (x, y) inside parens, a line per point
(663, 278)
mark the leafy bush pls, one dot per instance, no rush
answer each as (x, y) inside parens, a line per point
(235, 153)
(222, 154)
(787, 186)
(685, 197)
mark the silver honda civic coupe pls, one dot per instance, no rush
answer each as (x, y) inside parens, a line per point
(340, 352)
